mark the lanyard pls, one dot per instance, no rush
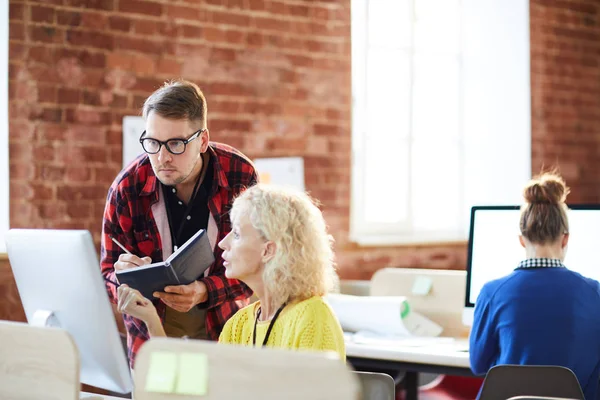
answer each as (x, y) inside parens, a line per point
(271, 324)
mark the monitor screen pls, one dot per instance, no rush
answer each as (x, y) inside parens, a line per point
(57, 271)
(495, 251)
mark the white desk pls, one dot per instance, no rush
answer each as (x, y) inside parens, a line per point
(442, 358)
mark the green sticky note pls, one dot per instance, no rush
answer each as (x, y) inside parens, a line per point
(162, 372)
(193, 374)
(422, 285)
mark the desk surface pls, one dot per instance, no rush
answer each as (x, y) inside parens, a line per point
(452, 354)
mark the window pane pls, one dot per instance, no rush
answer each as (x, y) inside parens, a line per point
(436, 97)
(436, 185)
(388, 95)
(389, 23)
(437, 25)
(386, 181)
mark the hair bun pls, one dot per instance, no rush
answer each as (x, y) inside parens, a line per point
(548, 188)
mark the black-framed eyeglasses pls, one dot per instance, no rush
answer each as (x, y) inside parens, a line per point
(173, 146)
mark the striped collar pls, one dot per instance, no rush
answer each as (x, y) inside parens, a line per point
(541, 263)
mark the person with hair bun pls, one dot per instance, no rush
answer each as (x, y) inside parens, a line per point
(542, 313)
(280, 248)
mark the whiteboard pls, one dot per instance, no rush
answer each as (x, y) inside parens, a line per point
(132, 129)
(286, 171)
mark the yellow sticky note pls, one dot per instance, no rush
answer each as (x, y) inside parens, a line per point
(162, 372)
(193, 374)
(422, 285)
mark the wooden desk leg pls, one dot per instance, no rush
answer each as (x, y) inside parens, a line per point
(411, 385)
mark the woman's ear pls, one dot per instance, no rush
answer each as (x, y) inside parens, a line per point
(565, 240)
(269, 249)
(522, 240)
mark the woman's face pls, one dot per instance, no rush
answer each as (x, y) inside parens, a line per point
(244, 248)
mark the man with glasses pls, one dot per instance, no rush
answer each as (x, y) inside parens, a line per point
(183, 183)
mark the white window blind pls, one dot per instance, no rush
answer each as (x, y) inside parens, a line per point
(441, 115)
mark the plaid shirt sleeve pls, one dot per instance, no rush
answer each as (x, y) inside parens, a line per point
(112, 226)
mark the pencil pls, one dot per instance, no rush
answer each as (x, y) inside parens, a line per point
(119, 244)
(115, 284)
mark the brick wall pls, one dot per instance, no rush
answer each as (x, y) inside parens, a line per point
(565, 91)
(277, 78)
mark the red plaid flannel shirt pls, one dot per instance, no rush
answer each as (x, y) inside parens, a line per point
(128, 217)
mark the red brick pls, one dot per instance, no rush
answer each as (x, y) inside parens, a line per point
(119, 23)
(52, 210)
(21, 171)
(105, 5)
(69, 18)
(68, 96)
(78, 174)
(71, 194)
(16, 31)
(43, 152)
(16, 11)
(42, 14)
(16, 51)
(241, 20)
(183, 12)
(90, 39)
(168, 66)
(79, 211)
(141, 7)
(49, 173)
(20, 190)
(142, 45)
(94, 20)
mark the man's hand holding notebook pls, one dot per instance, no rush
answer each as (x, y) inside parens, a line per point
(183, 267)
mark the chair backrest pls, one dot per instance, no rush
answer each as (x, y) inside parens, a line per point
(538, 398)
(376, 386)
(444, 302)
(37, 363)
(505, 381)
(246, 372)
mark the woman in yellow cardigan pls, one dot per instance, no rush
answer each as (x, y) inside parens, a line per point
(278, 246)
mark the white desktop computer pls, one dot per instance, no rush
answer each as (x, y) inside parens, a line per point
(58, 277)
(494, 249)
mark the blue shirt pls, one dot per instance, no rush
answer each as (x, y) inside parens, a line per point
(539, 316)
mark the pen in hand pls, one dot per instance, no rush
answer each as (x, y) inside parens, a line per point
(115, 284)
(119, 244)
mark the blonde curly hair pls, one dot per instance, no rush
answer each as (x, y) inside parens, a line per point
(303, 265)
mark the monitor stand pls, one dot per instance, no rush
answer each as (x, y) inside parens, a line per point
(44, 319)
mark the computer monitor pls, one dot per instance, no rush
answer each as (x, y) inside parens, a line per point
(58, 277)
(494, 248)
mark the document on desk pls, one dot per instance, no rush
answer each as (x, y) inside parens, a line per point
(386, 315)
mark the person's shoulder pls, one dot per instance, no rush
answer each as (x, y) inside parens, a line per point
(313, 307)
(493, 287)
(587, 283)
(227, 153)
(133, 175)
(243, 315)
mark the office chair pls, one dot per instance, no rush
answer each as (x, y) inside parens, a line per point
(505, 381)
(376, 386)
(537, 398)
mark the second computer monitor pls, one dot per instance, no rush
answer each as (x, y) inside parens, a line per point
(494, 248)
